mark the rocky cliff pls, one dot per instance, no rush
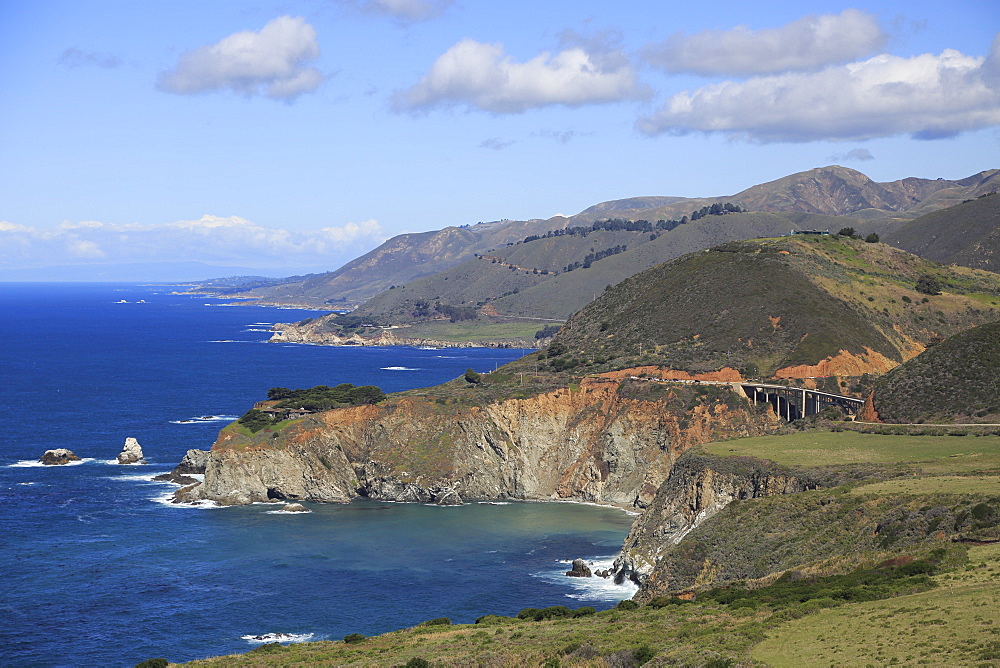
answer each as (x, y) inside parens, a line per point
(604, 440)
(697, 488)
(318, 332)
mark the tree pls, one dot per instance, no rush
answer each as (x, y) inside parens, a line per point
(928, 285)
(871, 238)
(279, 393)
(847, 232)
(472, 377)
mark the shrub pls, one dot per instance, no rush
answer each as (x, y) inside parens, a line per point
(472, 377)
(928, 285)
(437, 621)
(153, 663)
(871, 238)
(353, 638)
(417, 662)
(627, 605)
(585, 611)
(642, 654)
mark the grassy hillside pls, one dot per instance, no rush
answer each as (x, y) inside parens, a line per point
(966, 234)
(766, 305)
(957, 380)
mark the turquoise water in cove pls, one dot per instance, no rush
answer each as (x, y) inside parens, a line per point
(98, 569)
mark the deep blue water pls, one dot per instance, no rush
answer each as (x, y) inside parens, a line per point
(97, 570)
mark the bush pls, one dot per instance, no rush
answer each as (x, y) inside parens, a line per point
(417, 662)
(585, 611)
(627, 605)
(642, 654)
(153, 663)
(472, 377)
(871, 238)
(847, 232)
(255, 420)
(928, 285)
(353, 638)
(437, 621)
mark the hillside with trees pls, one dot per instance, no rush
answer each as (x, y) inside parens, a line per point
(828, 192)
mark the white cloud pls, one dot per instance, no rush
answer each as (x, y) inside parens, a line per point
(212, 239)
(74, 57)
(927, 96)
(808, 43)
(482, 76)
(270, 62)
(496, 143)
(854, 155)
(404, 11)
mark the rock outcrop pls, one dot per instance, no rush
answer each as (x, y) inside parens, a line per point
(580, 569)
(193, 463)
(131, 453)
(596, 442)
(58, 456)
(316, 333)
(698, 487)
(295, 508)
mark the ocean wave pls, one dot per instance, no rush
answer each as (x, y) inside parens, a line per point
(33, 463)
(494, 503)
(168, 500)
(398, 368)
(594, 588)
(287, 512)
(278, 637)
(255, 329)
(206, 418)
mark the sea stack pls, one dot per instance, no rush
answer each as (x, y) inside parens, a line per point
(580, 569)
(131, 453)
(58, 456)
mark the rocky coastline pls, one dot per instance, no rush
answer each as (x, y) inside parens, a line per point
(588, 443)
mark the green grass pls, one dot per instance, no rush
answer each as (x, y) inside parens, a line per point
(954, 624)
(946, 484)
(930, 454)
(471, 331)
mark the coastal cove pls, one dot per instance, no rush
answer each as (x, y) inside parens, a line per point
(101, 570)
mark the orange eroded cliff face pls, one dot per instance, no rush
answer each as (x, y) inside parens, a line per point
(842, 364)
(605, 440)
(724, 375)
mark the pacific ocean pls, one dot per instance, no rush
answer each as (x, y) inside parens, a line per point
(98, 569)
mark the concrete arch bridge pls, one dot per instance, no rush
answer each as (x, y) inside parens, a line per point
(789, 403)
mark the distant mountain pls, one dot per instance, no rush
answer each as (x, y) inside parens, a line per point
(957, 380)
(966, 234)
(799, 306)
(811, 198)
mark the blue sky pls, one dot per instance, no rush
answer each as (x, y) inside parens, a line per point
(294, 135)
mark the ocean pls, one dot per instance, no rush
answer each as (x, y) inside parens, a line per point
(99, 569)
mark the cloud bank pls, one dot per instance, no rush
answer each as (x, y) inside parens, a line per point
(927, 96)
(270, 62)
(481, 76)
(807, 43)
(211, 239)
